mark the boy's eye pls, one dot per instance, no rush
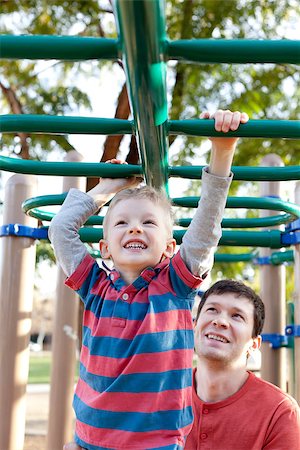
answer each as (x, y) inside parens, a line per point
(211, 308)
(120, 222)
(149, 221)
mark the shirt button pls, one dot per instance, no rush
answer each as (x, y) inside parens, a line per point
(205, 411)
(125, 296)
(203, 436)
(111, 276)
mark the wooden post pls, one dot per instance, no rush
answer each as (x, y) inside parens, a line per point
(16, 298)
(297, 305)
(64, 344)
(272, 283)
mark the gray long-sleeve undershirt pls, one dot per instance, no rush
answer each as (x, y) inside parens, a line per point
(198, 244)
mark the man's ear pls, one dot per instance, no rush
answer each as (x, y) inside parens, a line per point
(256, 344)
(170, 248)
(104, 250)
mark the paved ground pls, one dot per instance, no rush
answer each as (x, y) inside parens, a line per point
(36, 417)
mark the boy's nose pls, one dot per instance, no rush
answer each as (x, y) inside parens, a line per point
(135, 229)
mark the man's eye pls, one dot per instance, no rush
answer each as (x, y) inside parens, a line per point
(237, 315)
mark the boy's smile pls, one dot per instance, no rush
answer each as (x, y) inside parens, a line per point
(136, 237)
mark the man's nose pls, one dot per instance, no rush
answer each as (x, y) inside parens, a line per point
(221, 322)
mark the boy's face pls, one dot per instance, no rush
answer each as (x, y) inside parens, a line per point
(137, 236)
(223, 332)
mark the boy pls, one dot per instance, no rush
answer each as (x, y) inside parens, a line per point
(233, 409)
(134, 390)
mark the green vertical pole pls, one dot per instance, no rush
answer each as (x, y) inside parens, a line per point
(142, 40)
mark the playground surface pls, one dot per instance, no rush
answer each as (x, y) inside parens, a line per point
(37, 406)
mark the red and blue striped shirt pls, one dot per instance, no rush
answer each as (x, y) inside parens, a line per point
(135, 385)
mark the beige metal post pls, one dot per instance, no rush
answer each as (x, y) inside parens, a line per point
(272, 284)
(60, 424)
(16, 296)
(297, 304)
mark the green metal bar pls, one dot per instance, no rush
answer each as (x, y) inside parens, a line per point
(12, 123)
(268, 239)
(278, 258)
(234, 257)
(239, 51)
(83, 169)
(256, 222)
(141, 27)
(65, 48)
(254, 128)
(38, 123)
(31, 206)
(274, 204)
(243, 173)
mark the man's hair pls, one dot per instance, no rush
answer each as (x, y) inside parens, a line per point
(239, 289)
(157, 197)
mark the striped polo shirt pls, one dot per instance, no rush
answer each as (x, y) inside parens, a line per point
(135, 384)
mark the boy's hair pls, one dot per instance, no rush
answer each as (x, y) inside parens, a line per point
(239, 289)
(144, 192)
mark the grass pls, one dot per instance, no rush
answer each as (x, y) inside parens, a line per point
(40, 368)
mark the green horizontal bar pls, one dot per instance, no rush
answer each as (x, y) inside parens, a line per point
(234, 257)
(13, 123)
(269, 239)
(38, 123)
(254, 128)
(236, 51)
(67, 48)
(274, 204)
(243, 173)
(84, 169)
(257, 222)
(278, 258)
(31, 206)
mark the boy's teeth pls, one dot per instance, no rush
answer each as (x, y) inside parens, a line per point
(217, 338)
(137, 245)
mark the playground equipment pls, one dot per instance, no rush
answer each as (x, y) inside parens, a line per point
(145, 66)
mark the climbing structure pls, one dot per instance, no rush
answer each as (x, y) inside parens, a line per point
(145, 49)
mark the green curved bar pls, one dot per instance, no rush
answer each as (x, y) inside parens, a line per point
(235, 51)
(274, 204)
(141, 28)
(289, 129)
(31, 206)
(82, 169)
(39, 123)
(64, 48)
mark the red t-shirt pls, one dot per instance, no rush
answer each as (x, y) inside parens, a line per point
(258, 416)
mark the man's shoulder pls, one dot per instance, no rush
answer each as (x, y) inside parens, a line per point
(271, 393)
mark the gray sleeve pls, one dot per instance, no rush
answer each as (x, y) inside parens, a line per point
(204, 232)
(63, 230)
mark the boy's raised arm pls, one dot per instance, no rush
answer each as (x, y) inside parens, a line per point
(204, 232)
(76, 209)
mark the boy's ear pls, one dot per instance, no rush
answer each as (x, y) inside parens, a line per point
(103, 245)
(170, 248)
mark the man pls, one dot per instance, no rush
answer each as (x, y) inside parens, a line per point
(233, 409)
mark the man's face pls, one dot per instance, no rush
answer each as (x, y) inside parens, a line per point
(137, 235)
(223, 332)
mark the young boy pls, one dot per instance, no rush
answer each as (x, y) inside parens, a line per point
(135, 384)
